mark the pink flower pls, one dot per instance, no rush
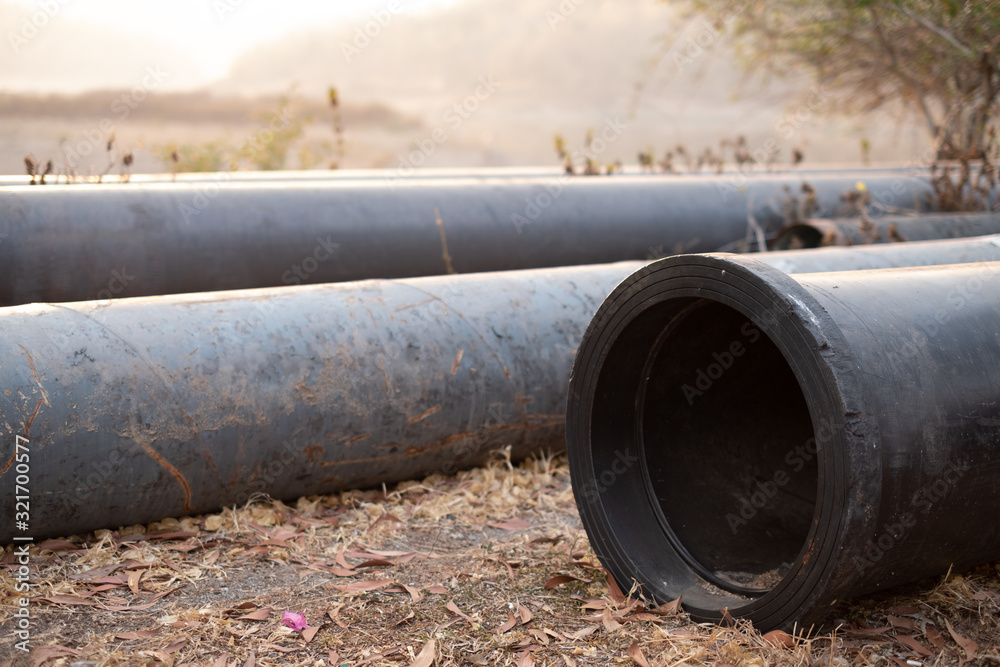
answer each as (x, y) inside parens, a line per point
(295, 621)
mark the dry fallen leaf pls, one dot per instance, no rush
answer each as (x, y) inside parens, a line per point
(558, 580)
(913, 645)
(668, 609)
(580, 634)
(43, 654)
(133, 580)
(971, 647)
(904, 610)
(616, 593)
(426, 656)
(635, 653)
(779, 638)
(140, 634)
(363, 586)
(508, 624)
(901, 623)
(525, 660)
(610, 624)
(259, 615)
(57, 545)
(524, 613)
(437, 590)
(935, 637)
(453, 608)
(512, 524)
(540, 636)
(414, 593)
(310, 632)
(68, 599)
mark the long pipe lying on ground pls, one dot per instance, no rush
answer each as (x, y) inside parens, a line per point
(408, 171)
(885, 255)
(99, 242)
(886, 229)
(139, 409)
(145, 408)
(770, 444)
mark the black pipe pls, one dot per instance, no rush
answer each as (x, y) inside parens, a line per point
(145, 366)
(104, 241)
(886, 229)
(885, 255)
(772, 444)
(139, 409)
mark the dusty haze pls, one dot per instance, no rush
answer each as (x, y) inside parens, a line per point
(520, 71)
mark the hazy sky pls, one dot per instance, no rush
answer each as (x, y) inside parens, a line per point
(211, 32)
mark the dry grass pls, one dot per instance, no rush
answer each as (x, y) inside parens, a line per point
(457, 567)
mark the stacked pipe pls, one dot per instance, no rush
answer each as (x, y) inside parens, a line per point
(194, 402)
(767, 445)
(104, 241)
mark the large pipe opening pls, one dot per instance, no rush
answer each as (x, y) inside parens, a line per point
(727, 448)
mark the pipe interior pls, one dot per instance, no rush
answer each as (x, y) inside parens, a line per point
(728, 448)
(798, 237)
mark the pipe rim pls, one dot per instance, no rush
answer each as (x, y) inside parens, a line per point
(813, 346)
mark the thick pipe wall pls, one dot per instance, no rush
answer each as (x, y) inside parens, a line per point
(772, 444)
(101, 242)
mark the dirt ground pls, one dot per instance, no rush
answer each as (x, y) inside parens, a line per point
(488, 567)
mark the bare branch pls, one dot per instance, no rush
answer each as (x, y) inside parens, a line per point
(936, 29)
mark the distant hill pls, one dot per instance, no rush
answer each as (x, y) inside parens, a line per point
(553, 66)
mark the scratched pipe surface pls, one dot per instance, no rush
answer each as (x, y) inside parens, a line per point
(102, 241)
(140, 409)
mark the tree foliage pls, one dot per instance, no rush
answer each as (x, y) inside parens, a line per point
(939, 58)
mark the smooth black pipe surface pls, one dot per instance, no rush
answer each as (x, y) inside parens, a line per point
(886, 229)
(773, 444)
(101, 242)
(884, 255)
(139, 409)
